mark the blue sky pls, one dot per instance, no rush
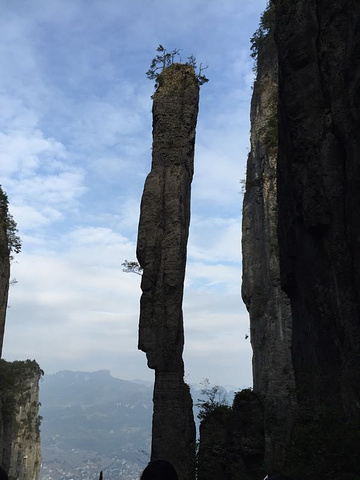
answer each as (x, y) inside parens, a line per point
(75, 148)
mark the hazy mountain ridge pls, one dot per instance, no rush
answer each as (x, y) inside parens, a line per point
(93, 421)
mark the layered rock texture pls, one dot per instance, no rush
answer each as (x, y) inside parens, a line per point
(319, 203)
(268, 305)
(161, 251)
(319, 194)
(4, 265)
(19, 421)
(301, 239)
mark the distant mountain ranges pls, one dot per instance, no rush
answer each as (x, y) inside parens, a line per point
(92, 415)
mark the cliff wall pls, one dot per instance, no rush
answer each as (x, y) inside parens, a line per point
(19, 419)
(161, 251)
(268, 306)
(319, 195)
(301, 237)
(319, 200)
(4, 264)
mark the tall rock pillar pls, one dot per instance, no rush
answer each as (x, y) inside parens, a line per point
(4, 264)
(161, 251)
(268, 306)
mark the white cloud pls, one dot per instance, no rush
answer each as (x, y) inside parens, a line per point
(28, 218)
(202, 276)
(21, 153)
(75, 147)
(215, 239)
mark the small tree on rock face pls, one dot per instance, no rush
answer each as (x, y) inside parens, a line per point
(266, 29)
(213, 398)
(164, 59)
(161, 61)
(199, 75)
(132, 267)
(9, 225)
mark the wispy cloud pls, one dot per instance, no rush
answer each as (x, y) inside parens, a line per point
(75, 148)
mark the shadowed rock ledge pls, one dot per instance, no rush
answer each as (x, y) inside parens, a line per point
(161, 251)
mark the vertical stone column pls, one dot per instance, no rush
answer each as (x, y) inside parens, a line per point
(161, 251)
(4, 266)
(268, 305)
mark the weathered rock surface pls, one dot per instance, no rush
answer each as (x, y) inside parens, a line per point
(319, 196)
(301, 239)
(4, 266)
(232, 441)
(161, 251)
(316, 270)
(20, 452)
(268, 305)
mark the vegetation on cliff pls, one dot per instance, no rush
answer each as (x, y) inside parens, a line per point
(13, 376)
(9, 226)
(19, 418)
(10, 243)
(263, 37)
(232, 439)
(164, 59)
(212, 398)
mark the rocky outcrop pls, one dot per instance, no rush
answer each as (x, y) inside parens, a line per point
(19, 419)
(232, 440)
(268, 305)
(161, 251)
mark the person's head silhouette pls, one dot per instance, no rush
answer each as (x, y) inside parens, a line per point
(159, 470)
(3, 474)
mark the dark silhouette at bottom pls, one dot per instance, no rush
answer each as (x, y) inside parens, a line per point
(159, 470)
(3, 474)
(276, 477)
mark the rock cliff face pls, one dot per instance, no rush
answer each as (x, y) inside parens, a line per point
(268, 305)
(19, 421)
(4, 265)
(319, 195)
(161, 251)
(301, 239)
(19, 381)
